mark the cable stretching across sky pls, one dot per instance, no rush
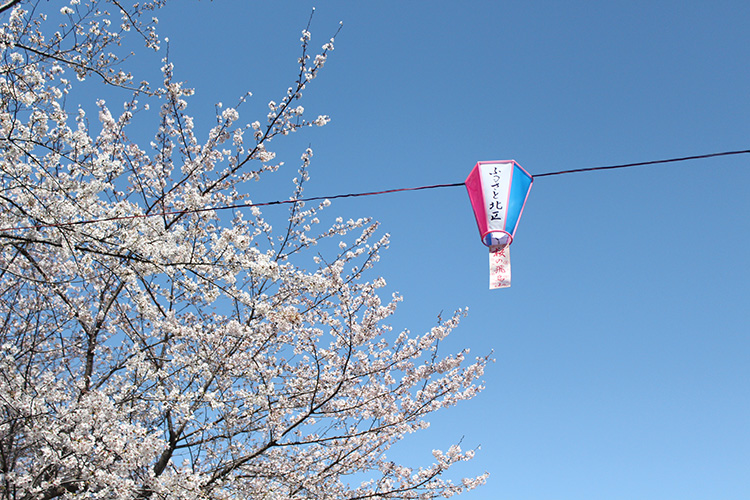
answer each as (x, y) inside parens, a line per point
(369, 193)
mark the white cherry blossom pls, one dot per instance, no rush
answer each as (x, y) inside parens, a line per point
(155, 346)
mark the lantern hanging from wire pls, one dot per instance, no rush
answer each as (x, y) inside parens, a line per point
(498, 191)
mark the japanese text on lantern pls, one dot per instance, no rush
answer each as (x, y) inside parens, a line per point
(495, 206)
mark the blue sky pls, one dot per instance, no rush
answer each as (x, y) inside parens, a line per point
(622, 346)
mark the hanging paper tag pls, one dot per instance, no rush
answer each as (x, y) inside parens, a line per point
(499, 266)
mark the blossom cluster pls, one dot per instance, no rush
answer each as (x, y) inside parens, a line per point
(154, 347)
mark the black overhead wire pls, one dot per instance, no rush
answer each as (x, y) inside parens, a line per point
(640, 164)
(366, 193)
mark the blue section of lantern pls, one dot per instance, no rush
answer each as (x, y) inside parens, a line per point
(519, 189)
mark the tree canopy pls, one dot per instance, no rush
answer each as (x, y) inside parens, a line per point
(155, 344)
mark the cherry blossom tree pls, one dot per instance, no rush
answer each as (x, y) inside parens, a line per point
(156, 344)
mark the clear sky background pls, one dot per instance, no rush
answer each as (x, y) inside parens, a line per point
(622, 348)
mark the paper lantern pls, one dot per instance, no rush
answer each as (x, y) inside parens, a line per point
(498, 191)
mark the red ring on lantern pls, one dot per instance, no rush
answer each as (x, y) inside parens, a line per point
(510, 236)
